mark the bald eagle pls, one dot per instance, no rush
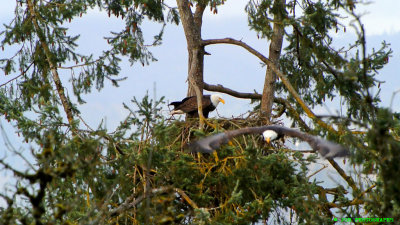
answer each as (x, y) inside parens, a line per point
(270, 133)
(189, 105)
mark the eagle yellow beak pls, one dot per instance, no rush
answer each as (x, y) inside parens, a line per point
(268, 140)
(221, 100)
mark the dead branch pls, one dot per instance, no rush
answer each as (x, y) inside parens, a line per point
(222, 89)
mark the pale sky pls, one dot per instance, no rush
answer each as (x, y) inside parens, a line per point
(230, 66)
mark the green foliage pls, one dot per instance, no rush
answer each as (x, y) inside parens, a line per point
(82, 178)
(31, 61)
(318, 69)
(382, 159)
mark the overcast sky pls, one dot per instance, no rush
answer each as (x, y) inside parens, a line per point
(228, 65)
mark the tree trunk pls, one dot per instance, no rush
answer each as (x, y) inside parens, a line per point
(275, 47)
(192, 27)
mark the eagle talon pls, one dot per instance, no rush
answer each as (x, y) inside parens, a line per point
(209, 124)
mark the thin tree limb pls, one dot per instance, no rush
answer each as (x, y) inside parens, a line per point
(27, 68)
(341, 172)
(53, 66)
(129, 204)
(132, 201)
(222, 89)
(186, 197)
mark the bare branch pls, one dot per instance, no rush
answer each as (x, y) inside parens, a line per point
(222, 89)
(341, 172)
(17, 76)
(354, 202)
(319, 170)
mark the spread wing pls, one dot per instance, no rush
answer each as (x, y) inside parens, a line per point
(213, 142)
(210, 143)
(326, 148)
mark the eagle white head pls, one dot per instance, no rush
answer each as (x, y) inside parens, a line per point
(216, 99)
(270, 135)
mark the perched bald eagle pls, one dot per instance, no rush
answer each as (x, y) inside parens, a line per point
(189, 105)
(270, 133)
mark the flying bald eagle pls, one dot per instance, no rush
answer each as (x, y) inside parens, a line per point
(189, 105)
(270, 133)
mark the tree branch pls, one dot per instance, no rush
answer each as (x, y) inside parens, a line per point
(23, 72)
(293, 112)
(132, 201)
(341, 172)
(186, 197)
(52, 65)
(222, 89)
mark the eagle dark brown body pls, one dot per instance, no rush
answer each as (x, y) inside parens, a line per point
(188, 105)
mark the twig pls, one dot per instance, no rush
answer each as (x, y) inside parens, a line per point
(11, 80)
(17, 76)
(322, 168)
